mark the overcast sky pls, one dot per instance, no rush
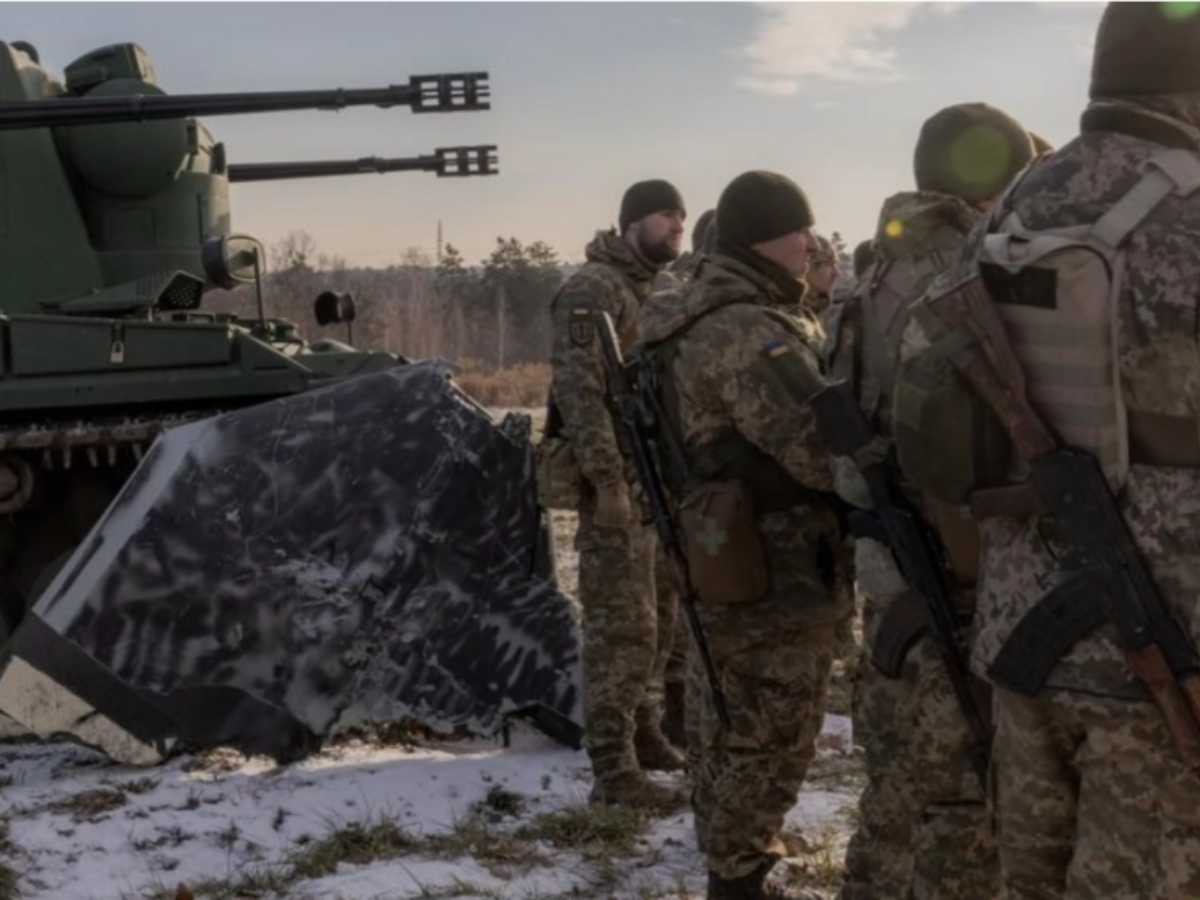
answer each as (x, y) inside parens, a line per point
(587, 98)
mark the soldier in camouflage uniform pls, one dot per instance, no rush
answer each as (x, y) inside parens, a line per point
(622, 647)
(822, 274)
(702, 236)
(923, 828)
(1091, 798)
(676, 725)
(823, 271)
(772, 644)
(864, 258)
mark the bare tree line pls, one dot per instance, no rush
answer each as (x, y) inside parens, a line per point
(491, 316)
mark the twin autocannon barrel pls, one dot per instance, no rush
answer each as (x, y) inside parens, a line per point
(457, 92)
(447, 162)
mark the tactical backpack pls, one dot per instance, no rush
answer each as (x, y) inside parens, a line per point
(864, 350)
(1057, 294)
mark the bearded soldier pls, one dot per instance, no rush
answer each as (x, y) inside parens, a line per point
(621, 640)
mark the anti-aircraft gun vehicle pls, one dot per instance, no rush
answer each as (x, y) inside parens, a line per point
(211, 530)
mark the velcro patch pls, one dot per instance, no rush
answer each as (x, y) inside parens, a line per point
(580, 327)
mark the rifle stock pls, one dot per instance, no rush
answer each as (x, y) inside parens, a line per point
(654, 496)
(1072, 487)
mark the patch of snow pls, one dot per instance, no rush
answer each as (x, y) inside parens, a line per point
(224, 816)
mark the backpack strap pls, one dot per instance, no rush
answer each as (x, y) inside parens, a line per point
(1166, 173)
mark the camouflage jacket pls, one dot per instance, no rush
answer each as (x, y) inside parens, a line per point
(919, 235)
(732, 312)
(613, 280)
(1159, 353)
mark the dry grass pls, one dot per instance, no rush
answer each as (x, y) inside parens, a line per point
(91, 805)
(491, 833)
(516, 386)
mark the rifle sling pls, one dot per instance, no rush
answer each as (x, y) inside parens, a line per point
(1155, 439)
(728, 457)
(1070, 612)
(770, 486)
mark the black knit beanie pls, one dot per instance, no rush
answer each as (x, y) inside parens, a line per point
(700, 229)
(646, 198)
(1146, 48)
(971, 151)
(761, 206)
(864, 256)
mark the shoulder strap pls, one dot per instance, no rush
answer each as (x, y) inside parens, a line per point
(1166, 173)
(661, 354)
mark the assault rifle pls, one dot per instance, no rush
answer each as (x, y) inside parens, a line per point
(624, 391)
(915, 546)
(1107, 577)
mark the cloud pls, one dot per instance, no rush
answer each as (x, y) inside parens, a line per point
(835, 41)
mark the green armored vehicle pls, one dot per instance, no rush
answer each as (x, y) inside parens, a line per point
(114, 223)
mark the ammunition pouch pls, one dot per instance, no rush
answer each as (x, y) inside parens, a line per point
(721, 540)
(560, 483)
(559, 479)
(905, 622)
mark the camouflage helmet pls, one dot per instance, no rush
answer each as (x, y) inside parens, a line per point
(971, 151)
(1146, 48)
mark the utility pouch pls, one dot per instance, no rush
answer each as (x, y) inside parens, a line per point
(559, 480)
(725, 556)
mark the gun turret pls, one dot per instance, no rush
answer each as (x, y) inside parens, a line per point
(455, 92)
(447, 162)
(109, 183)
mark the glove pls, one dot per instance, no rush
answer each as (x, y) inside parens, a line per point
(613, 509)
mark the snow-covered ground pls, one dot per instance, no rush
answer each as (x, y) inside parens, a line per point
(439, 819)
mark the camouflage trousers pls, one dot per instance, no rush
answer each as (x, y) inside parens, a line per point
(1092, 801)
(624, 651)
(846, 647)
(775, 683)
(924, 829)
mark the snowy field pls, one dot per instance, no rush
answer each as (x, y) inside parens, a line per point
(381, 814)
(369, 819)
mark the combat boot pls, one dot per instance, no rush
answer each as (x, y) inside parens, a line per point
(755, 887)
(653, 749)
(631, 788)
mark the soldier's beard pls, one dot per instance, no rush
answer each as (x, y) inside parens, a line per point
(659, 252)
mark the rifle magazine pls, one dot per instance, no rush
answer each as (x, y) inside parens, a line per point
(1069, 613)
